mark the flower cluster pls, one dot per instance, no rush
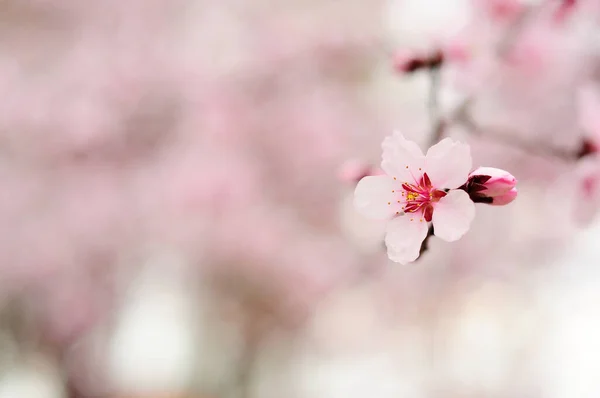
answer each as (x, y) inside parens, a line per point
(437, 187)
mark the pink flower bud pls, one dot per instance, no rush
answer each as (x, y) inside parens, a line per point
(504, 199)
(500, 182)
(408, 62)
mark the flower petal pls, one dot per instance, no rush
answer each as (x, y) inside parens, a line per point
(373, 197)
(448, 163)
(402, 159)
(453, 215)
(404, 237)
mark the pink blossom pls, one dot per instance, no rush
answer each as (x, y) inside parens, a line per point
(588, 118)
(415, 190)
(563, 11)
(501, 10)
(588, 111)
(580, 192)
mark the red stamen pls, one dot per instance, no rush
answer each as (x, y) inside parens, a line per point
(437, 195)
(426, 182)
(428, 213)
(420, 196)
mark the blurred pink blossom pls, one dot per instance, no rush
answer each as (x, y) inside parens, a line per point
(580, 188)
(588, 102)
(501, 10)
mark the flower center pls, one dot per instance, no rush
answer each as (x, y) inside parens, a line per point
(410, 196)
(419, 198)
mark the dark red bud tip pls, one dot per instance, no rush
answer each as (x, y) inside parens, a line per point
(587, 147)
(404, 64)
(474, 188)
(481, 199)
(479, 179)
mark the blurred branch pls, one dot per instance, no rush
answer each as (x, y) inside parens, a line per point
(425, 244)
(437, 124)
(461, 115)
(463, 118)
(246, 366)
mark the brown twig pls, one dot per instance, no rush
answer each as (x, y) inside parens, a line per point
(437, 125)
(461, 115)
(425, 243)
(464, 118)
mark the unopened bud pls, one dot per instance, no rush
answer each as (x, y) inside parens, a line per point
(498, 183)
(492, 186)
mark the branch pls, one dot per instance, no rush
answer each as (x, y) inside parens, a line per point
(437, 123)
(506, 43)
(425, 244)
(463, 117)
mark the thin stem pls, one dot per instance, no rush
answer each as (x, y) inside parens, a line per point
(437, 122)
(514, 140)
(437, 125)
(425, 243)
(434, 87)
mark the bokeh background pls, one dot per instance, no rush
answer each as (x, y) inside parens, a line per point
(176, 182)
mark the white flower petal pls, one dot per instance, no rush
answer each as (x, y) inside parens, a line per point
(402, 159)
(404, 238)
(448, 163)
(372, 195)
(452, 215)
